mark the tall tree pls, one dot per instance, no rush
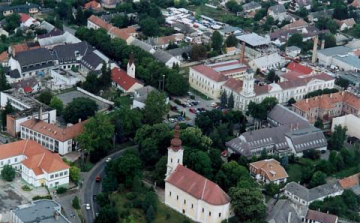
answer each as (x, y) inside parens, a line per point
(295, 40)
(216, 41)
(231, 41)
(90, 140)
(105, 78)
(231, 101)
(7, 110)
(127, 121)
(338, 137)
(272, 77)
(230, 174)
(198, 161)
(223, 99)
(198, 52)
(57, 104)
(45, 97)
(176, 84)
(79, 108)
(155, 107)
(318, 179)
(4, 85)
(127, 167)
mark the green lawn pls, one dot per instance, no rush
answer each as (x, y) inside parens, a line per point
(216, 14)
(294, 172)
(164, 214)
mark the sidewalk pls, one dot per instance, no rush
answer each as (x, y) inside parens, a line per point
(159, 191)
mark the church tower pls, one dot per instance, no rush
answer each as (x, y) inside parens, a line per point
(248, 85)
(131, 67)
(175, 152)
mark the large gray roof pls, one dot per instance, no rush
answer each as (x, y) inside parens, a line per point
(142, 45)
(41, 211)
(277, 9)
(33, 56)
(337, 50)
(313, 193)
(280, 212)
(251, 5)
(162, 56)
(68, 52)
(179, 51)
(284, 116)
(308, 138)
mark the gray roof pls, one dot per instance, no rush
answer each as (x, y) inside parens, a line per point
(253, 39)
(350, 60)
(179, 51)
(29, 82)
(41, 211)
(162, 56)
(251, 5)
(323, 13)
(280, 212)
(337, 50)
(284, 116)
(143, 93)
(47, 26)
(33, 56)
(146, 47)
(67, 52)
(184, 28)
(59, 39)
(277, 9)
(315, 193)
(292, 48)
(19, 8)
(229, 29)
(308, 138)
(91, 60)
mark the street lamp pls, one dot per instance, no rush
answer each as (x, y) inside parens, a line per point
(163, 82)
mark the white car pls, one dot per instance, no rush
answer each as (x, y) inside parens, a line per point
(108, 159)
(87, 206)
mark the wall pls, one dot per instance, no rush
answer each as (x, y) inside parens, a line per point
(351, 122)
(205, 85)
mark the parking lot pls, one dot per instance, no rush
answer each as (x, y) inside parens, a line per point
(9, 199)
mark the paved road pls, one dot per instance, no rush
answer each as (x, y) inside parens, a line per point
(90, 187)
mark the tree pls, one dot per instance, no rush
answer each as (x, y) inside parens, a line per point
(319, 124)
(198, 52)
(160, 171)
(231, 102)
(149, 153)
(79, 108)
(57, 104)
(150, 214)
(45, 97)
(350, 199)
(4, 85)
(155, 107)
(150, 200)
(338, 137)
(247, 203)
(76, 203)
(285, 161)
(80, 18)
(295, 40)
(230, 174)
(198, 161)
(291, 101)
(318, 179)
(330, 40)
(149, 26)
(340, 12)
(127, 121)
(7, 110)
(105, 78)
(344, 83)
(74, 174)
(8, 173)
(176, 84)
(185, 56)
(102, 199)
(272, 77)
(339, 162)
(92, 83)
(127, 167)
(107, 214)
(193, 137)
(269, 103)
(12, 22)
(257, 111)
(271, 189)
(231, 41)
(233, 6)
(223, 99)
(90, 140)
(216, 41)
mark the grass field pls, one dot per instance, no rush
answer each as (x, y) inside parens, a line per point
(216, 14)
(164, 214)
(294, 172)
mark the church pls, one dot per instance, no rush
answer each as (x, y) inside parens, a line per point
(191, 194)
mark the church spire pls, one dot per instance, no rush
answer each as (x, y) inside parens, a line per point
(176, 141)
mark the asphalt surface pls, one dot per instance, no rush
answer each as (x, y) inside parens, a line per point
(90, 187)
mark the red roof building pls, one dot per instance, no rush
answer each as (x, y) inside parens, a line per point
(299, 68)
(94, 5)
(123, 81)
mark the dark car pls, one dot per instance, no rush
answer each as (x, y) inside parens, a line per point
(94, 197)
(192, 110)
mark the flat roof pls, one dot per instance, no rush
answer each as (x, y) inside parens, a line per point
(68, 97)
(253, 39)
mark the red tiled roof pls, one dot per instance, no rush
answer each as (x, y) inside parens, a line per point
(120, 77)
(299, 68)
(209, 73)
(28, 89)
(99, 22)
(234, 84)
(92, 5)
(350, 181)
(271, 169)
(198, 186)
(53, 131)
(4, 56)
(24, 17)
(38, 158)
(355, 3)
(317, 216)
(121, 33)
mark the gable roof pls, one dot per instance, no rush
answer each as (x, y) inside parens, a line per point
(317, 216)
(349, 182)
(162, 56)
(53, 131)
(251, 5)
(92, 5)
(280, 212)
(120, 77)
(299, 68)
(272, 169)
(234, 84)
(284, 116)
(295, 25)
(38, 159)
(197, 186)
(33, 56)
(209, 73)
(277, 9)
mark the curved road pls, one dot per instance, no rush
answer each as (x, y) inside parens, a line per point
(90, 187)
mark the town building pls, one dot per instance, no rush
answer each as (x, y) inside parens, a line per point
(126, 81)
(190, 193)
(268, 171)
(268, 62)
(251, 7)
(166, 58)
(27, 21)
(292, 51)
(278, 12)
(328, 106)
(345, 24)
(284, 211)
(350, 121)
(209, 78)
(303, 196)
(290, 134)
(63, 79)
(30, 85)
(56, 139)
(179, 53)
(60, 38)
(140, 96)
(28, 8)
(163, 42)
(93, 5)
(27, 108)
(319, 217)
(341, 57)
(37, 165)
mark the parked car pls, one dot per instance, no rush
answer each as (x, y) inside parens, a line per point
(180, 118)
(213, 104)
(108, 159)
(172, 120)
(98, 179)
(94, 197)
(87, 206)
(192, 110)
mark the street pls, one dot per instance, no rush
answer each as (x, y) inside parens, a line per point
(90, 187)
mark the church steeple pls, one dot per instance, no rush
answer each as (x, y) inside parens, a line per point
(175, 152)
(131, 66)
(248, 84)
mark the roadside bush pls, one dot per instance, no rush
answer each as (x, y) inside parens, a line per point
(38, 197)
(76, 203)
(61, 190)
(177, 101)
(26, 188)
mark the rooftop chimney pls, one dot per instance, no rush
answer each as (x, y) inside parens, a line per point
(315, 49)
(40, 113)
(242, 53)
(322, 44)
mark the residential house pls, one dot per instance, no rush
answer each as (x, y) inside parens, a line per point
(163, 42)
(50, 41)
(314, 16)
(63, 79)
(166, 58)
(295, 5)
(319, 217)
(251, 7)
(328, 106)
(190, 193)
(278, 12)
(179, 52)
(140, 96)
(28, 8)
(56, 139)
(298, 24)
(303, 196)
(26, 108)
(126, 81)
(292, 51)
(27, 21)
(268, 171)
(37, 165)
(345, 24)
(49, 210)
(93, 5)
(280, 37)
(141, 44)
(209, 78)
(4, 59)
(284, 211)
(30, 85)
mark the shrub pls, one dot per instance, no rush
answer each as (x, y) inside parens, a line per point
(136, 203)
(192, 97)
(61, 190)
(127, 205)
(38, 197)
(76, 203)
(125, 213)
(177, 101)
(130, 196)
(26, 188)
(8, 173)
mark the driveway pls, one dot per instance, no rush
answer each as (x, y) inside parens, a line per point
(66, 203)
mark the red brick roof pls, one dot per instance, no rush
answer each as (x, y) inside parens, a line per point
(350, 181)
(209, 73)
(299, 68)
(24, 17)
(4, 56)
(198, 186)
(321, 217)
(53, 131)
(38, 159)
(99, 22)
(234, 84)
(92, 5)
(120, 77)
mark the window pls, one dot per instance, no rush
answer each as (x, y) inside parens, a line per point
(171, 160)
(61, 174)
(52, 176)
(15, 160)
(203, 210)
(56, 175)
(8, 161)
(184, 201)
(219, 215)
(209, 213)
(178, 160)
(192, 205)
(65, 173)
(177, 197)
(170, 194)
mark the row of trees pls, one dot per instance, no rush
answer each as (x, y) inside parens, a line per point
(118, 50)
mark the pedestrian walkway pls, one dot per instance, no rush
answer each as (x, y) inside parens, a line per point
(159, 191)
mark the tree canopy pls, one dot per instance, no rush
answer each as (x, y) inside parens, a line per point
(155, 107)
(79, 108)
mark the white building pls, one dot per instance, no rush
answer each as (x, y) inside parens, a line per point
(38, 166)
(126, 80)
(63, 79)
(56, 139)
(268, 62)
(190, 193)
